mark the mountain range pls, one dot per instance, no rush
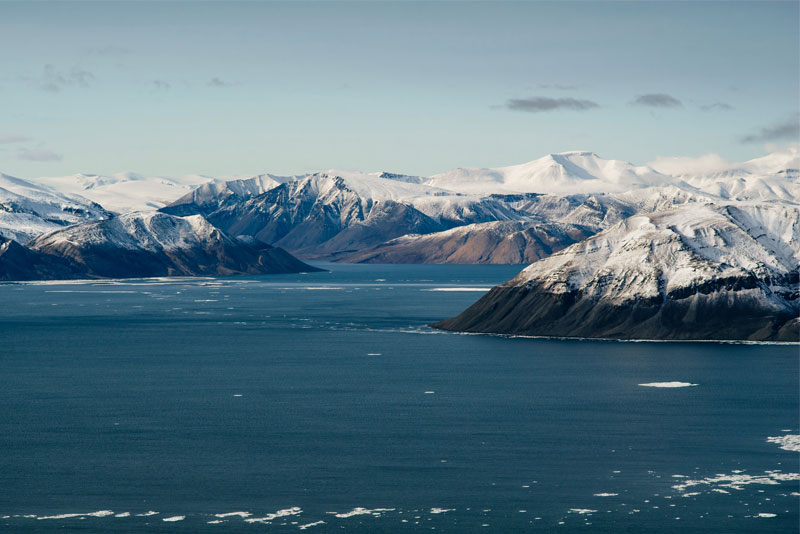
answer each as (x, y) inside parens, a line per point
(616, 250)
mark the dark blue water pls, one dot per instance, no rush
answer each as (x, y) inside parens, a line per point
(326, 394)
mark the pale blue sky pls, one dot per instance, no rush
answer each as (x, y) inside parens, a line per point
(244, 88)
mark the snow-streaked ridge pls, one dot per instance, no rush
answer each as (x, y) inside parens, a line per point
(28, 209)
(649, 255)
(147, 230)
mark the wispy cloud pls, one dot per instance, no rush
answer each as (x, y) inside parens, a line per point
(716, 106)
(676, 166)
(53, 80)
(218, 82)
(7, 139)
(38, 154)
(539, 104)
(788, 129)
(161, 85)
(657, 100)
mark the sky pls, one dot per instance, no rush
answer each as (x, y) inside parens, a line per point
(232, 89)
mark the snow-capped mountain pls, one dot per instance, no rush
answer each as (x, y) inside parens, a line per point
(28, 209)
(496, 242)
(775, 176)
(693, 272)
(326, 214)
(337, 214)
(126, 191)
(144, 244)
(562, 174)
(209, 196)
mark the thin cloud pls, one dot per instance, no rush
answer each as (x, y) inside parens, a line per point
(161, 85)
(788, 129)
(7, 139)
(38, 154)
(539, 104)
(218, 82)
(676, 166)
(717, 105)
(53, 80)
(657, 100)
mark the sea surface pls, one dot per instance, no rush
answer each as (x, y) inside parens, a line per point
(323, 402)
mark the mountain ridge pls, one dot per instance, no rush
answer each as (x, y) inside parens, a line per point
(693, 272)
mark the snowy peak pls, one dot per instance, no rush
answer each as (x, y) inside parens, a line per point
(151, 231)
(778, 162)
(576, 172)
(28, 209)
(672, 252)
(210, 195)
(125, 191)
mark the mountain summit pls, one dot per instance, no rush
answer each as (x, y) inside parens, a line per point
(577, 172)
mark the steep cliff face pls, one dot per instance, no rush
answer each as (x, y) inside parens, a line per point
(693, 272)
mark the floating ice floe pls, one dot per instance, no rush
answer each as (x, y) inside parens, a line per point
(581, 511)
(123, 514)
(789, 442)
(99, 513)
(442, 510)
(174, 518)
(234, 514)
(765, 514)
(147, 513)
(737, 481)
(668, 385)
(294, 510)
(322, 288)
(377, 512)
(606, 494)
(309, 525)
(429, 392)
